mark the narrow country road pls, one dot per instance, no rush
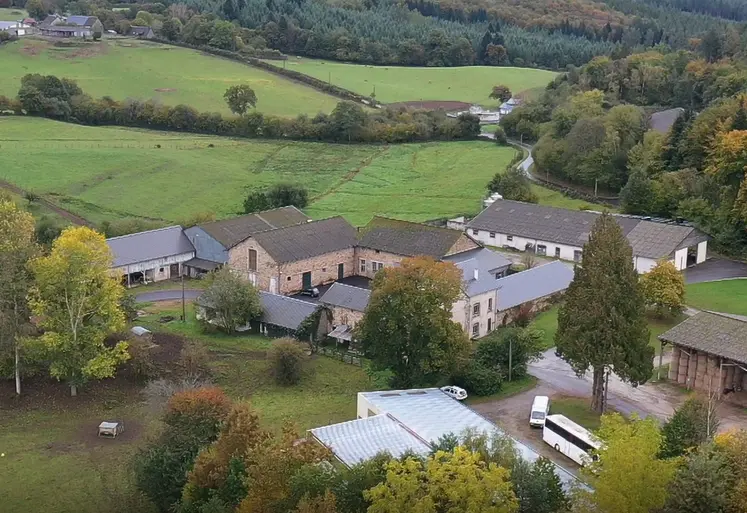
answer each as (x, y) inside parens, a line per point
(167, 295)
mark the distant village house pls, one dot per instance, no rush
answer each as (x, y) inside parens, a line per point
(71, 26)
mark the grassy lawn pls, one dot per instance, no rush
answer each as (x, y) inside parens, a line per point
(728, 296)
(509, 388)
(400, 84)
(12, 14)
(557, 199)
(109, 173)
(54, 447)
(547, 321)
(136, 69)
(576, 409)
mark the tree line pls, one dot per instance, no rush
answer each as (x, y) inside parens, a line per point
(62, 99)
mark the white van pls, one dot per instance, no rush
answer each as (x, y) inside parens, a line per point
(540, 409)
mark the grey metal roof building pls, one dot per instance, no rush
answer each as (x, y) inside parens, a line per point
(713, 333)
(151, 245)
(479, 268)
(284, 311)
(649, 239)
(406, 238)
(307, 240)
(346, 296)
(425, 414)
(532, 284)
(358, 440)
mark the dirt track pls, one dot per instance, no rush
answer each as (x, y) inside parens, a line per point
(73, 218)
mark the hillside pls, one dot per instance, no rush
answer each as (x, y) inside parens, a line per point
(109, 173)
(401, 84)
(134, 69)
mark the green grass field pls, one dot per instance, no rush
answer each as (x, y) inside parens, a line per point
(109, 173)
(577, 409)
(400, 84)
(728, 296)
(55, 448)
(137, 69)
(12, 14)
(547, 322)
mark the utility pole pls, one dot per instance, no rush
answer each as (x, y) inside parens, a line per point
(510, 356)
(184, 306)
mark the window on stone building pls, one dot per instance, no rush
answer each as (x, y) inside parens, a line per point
(252, 259)
(541, 249)
(476, 309)
(490, 304)
(363, 265)
(475, 329)
(509, 238)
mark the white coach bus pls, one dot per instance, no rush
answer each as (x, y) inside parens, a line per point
(567, 437)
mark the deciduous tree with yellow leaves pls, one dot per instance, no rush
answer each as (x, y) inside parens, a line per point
(76, 299)
(458, 482)
(663, 289)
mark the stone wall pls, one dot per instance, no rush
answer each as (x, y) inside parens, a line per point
(374, 255)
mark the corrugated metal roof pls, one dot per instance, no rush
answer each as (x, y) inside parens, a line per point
(532, 284)
(307, 240)
(284, 311)
(346, 296)
(657, 240)
(408, 239)
(714, 333)
(431, 414)
(150, 245)
(485, 262)
(359, 440)
(82, 21)
(662, 121)
(230, 232)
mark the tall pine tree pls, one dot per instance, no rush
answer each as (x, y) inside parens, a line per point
(602, 323)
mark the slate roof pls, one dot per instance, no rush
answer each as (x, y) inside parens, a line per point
(307, 240)
(82, 21)
(662, 121)
(713, 333)
(532, 284)
(284, 311)
(571, 227)
(230, 232)
(406, 238)
(358, 440)
(139, 31)
(485, 262)
(150, 245)
(346, 296)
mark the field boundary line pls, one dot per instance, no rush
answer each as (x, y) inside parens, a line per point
(73, 218)
(350, 175)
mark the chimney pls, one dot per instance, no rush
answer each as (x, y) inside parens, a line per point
(475, 274)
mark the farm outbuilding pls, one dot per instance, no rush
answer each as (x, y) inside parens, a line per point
(155, 255)
(709, 354)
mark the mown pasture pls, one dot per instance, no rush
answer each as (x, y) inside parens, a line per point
(128, 68)
(393, 84)
(103, 173)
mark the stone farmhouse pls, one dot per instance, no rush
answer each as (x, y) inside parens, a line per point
(283, 252)
(561, 233)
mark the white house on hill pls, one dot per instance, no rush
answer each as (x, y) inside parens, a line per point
(561, 233)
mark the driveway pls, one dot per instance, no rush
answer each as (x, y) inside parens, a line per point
(167, 295)
(715, 269)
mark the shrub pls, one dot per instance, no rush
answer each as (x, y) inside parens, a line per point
(193, 359)
(500, 136)
(479, 379)
(287, 361)
(200, 410)
(141, 356)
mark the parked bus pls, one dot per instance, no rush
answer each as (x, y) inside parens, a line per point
(570, 439)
